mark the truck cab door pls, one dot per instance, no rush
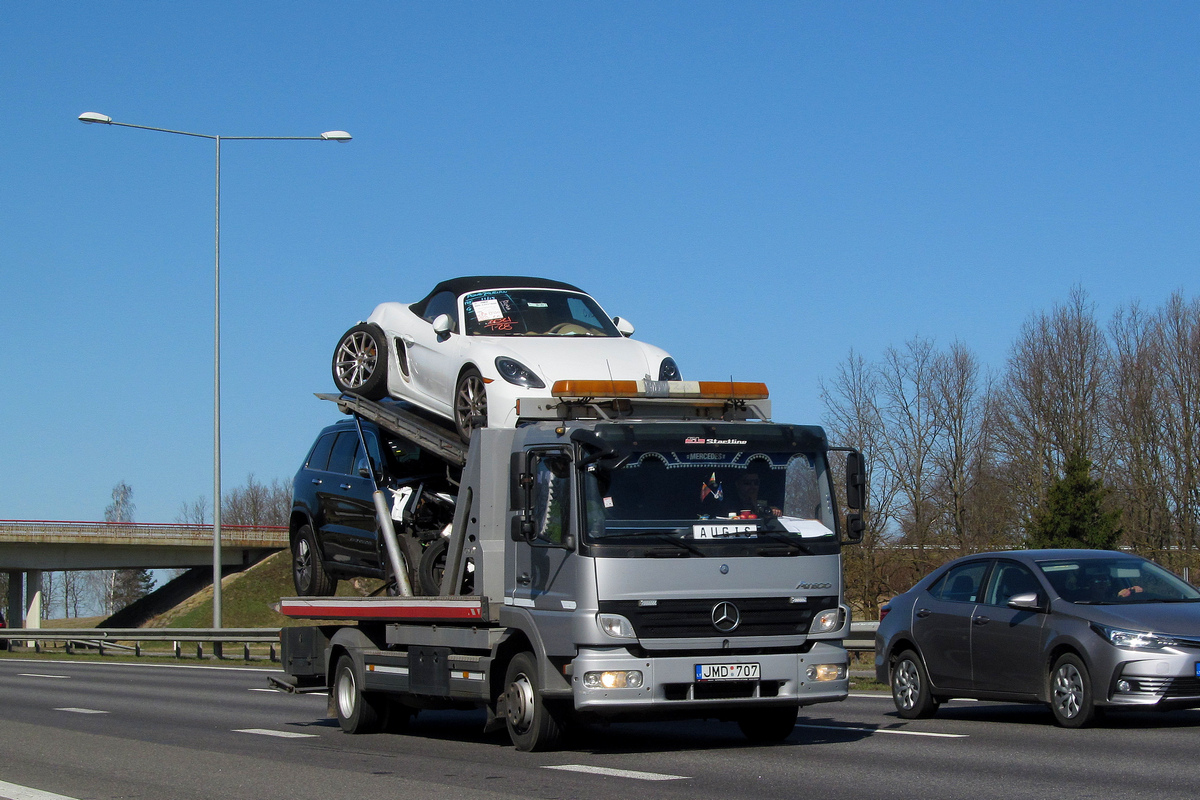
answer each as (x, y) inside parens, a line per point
(540, 577)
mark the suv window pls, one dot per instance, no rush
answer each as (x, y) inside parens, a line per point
(342, 458)
(961, 583)
(319, 457)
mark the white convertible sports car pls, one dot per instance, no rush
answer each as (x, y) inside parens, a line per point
(474, 345)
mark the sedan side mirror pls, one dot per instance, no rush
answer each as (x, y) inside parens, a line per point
(624, 326)
(1025, 602)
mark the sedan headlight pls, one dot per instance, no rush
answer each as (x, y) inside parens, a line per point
(616, 626)
(1133, 640)
(669, 370)
(517, 373)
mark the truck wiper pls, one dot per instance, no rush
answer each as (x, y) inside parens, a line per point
(661, 537)
(782, 536)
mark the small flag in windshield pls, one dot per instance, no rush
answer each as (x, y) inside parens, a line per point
(711, 488)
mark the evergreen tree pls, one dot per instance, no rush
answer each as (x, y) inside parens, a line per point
(130, 585)
(1073, 513)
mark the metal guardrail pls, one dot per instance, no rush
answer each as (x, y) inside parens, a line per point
(112, 638)
(861, 638)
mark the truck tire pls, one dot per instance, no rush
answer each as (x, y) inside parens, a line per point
(357, 711)
(360, 361)
(308, 573)
(532, 723)
(769, 725)
(433, 566)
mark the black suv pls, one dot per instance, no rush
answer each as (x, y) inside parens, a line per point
(334, 533)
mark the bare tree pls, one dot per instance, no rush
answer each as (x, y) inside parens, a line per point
(195, 512)
(1053, 398)
(258, 504)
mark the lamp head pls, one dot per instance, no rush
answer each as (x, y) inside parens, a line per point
(91, 117)
(334, 136)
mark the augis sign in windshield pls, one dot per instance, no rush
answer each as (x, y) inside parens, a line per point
(700, 490)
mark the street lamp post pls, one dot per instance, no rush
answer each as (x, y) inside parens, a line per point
(91, 117)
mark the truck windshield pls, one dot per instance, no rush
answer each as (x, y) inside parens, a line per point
(714, 495)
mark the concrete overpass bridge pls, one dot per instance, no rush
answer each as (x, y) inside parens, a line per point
(30, 547)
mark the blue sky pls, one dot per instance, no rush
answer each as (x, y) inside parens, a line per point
(759, 187)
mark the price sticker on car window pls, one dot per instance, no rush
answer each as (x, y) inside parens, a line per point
(487, 309)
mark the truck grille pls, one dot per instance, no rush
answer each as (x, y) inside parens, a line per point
(681, 619)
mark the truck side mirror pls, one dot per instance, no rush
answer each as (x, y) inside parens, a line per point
(856, 480)
(855, 527)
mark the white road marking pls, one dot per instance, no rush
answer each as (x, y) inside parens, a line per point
(857, 729)
(620, 773)
(39, 675)
(81, 710)
(272, 691)
(279, 734)
(13, 791)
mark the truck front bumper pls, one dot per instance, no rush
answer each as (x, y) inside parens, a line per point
(669, 685)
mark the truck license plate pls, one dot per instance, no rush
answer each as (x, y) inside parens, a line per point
(727, 672)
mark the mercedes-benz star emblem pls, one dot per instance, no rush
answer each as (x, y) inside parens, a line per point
(726, 617)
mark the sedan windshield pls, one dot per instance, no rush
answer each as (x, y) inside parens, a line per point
(710, 498)
(1113, 581)
(535, 312)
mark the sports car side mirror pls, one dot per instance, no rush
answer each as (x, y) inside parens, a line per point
(442, 325)
(624, 326)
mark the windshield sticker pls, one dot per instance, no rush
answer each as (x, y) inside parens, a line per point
(714, 442)
(488, 309)
(806, 528)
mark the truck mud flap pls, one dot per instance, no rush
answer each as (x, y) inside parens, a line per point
(429, 671)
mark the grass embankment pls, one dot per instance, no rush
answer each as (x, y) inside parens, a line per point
(247, 597)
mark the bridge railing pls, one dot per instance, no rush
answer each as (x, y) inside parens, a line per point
(70, 532)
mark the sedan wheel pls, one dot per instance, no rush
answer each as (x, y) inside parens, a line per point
(470, 404)
(910, 687)
(1071, 693)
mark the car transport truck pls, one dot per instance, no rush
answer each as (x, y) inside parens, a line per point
(630, 550)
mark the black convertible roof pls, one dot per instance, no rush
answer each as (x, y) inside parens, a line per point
(475, 283)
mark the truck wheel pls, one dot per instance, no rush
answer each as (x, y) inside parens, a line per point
(532, 724)
(470, 403)
(357, 711)
(769, 725)
(308, 573)
(360, 361)
(433, 566)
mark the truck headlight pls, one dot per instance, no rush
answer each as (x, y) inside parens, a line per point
(616, 626)
(828, 620)
(613, 679)
(826, 672)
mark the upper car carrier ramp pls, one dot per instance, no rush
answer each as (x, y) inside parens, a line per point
(394, 419)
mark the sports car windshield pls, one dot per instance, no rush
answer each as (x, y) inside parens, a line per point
(535, 312)
(1116, 581)
(700, 496)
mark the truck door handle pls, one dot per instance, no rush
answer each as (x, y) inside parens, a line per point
(981, 620)
(922, 613)
(523, 579)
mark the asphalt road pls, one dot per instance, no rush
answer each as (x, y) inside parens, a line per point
(91, 730)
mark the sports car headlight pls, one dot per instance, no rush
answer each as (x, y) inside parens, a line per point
(1133, 640)
(669, 370)
(517, 373)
